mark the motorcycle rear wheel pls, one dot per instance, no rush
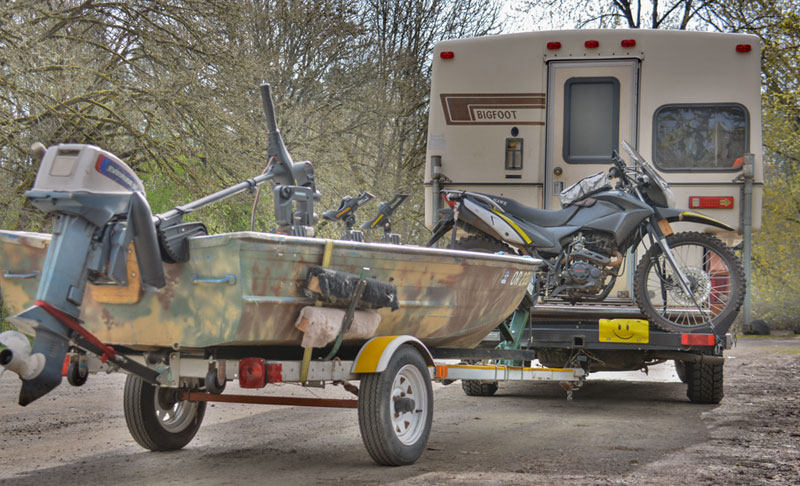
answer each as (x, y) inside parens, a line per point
(716, 279)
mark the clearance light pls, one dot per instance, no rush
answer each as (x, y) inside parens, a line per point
(711, 202)
(743, 48)
(447, 54)
(592, 44)
(697, 339)
(252, 373)
(628, 43)
(554, 46)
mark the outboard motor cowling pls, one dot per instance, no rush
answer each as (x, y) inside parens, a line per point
(100, 208)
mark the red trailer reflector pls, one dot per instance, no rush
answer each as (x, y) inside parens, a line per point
(447, 54)
(697, 339)
(252, 373)
(743, 48)
(711, 202)
(66, 365)
(592, 44)
(627, 43)
(274, 373)
(553, 46)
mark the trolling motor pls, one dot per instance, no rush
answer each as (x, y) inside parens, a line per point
(100, 209)
(385, 210)
(346, 213)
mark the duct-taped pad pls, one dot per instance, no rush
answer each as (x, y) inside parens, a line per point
(337, 288)
(321, 325)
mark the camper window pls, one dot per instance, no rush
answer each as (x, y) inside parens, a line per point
(700, 137)
(591, 120)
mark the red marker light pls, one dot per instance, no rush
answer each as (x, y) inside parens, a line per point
(592, 44)
(697, 339)
(447, 54)
(711, 202)
(743, 48)
(628, 43)
(553, 46)
(252, 373)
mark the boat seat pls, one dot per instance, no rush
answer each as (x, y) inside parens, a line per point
(540, 217)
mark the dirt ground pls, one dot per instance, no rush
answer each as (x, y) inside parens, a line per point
(613, 432)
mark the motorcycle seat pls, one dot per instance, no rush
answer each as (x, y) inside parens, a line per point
(540, 217)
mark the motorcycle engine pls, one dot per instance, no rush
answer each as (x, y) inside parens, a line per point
(582, 273)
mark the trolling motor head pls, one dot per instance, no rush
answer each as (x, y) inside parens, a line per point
(292, 183)
(100, 209)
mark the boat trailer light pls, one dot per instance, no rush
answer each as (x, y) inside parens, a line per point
(252, 373)
(711, 202)
(698, 339)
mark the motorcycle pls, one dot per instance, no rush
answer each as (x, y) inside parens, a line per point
(685, 282)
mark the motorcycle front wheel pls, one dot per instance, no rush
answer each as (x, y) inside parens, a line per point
(715, 278)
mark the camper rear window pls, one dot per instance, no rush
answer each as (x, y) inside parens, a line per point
(700, 137)
(591, 120)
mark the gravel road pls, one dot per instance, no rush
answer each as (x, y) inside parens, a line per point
(613, 432)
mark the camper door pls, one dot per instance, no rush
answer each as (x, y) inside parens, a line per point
(591, 107)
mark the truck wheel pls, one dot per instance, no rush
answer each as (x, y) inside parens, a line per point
(704, 382)
(156, 419)
(680, 369)
(476, 388)
(395, 409)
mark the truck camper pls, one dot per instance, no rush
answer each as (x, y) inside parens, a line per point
(524, 116)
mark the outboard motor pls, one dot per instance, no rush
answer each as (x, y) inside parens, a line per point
(100, 208)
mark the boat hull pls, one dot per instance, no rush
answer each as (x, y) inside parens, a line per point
(247, 289)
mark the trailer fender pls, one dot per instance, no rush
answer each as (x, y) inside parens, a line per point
(375, 355)
(677, 215)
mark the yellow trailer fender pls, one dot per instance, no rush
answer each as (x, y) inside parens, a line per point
(375, 355)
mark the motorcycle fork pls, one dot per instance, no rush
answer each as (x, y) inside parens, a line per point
(655, 232)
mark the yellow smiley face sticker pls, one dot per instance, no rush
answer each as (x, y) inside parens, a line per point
(635, 331)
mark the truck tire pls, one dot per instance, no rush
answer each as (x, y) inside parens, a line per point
(476, 388)
(156, 420)
(395, 409)
(704, 383)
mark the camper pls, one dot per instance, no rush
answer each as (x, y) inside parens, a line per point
(524, 116)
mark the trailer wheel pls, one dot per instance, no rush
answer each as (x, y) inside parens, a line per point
(156, 419)
(704, 382)
(395, 409)
(476, 388)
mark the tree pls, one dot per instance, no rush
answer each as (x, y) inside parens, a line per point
(652, 14)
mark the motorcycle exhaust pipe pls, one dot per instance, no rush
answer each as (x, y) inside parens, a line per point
(17, 356)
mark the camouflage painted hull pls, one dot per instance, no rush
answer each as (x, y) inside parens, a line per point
(246, 289)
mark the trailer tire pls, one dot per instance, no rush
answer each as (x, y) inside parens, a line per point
(476, 388)
(156, 420)
(704, 383)
(395, 409)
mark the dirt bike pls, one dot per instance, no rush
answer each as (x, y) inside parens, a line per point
(685, 282)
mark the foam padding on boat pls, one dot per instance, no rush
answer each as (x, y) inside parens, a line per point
(337, 288)
(321, 325)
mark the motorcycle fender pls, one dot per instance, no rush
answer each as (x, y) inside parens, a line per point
(681, 215)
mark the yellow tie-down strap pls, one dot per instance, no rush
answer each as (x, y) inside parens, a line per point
(634, 331)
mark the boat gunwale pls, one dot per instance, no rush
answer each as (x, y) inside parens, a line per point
(213, 240)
